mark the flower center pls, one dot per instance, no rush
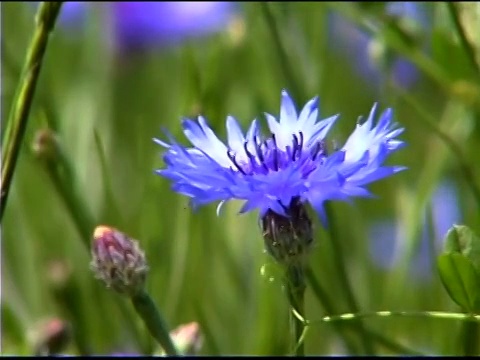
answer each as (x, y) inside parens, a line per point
(268, 157)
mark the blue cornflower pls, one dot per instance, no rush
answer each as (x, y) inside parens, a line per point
(284, 170)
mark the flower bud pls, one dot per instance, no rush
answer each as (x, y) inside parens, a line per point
(288, 238)
(118, 261)
(187, 338)
(51, 336)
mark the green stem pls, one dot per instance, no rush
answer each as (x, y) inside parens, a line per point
(470, 52)
(432, 124)
(84, 224)
(400, 42)
(470, 336)
(81, 217)
(61, 174)
(68, 297)
(329, 307)
(281, 53)
(17, 121)
(295, 281)
(321, 294)
(210, 338)
(154, 322)
(443, 315)
(344, 281)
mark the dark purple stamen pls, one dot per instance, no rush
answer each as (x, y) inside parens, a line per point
(231, 156)
(258, 148)
(297, 146)
(250, 156)
(267, 155)
(275, 152)
(318, 149)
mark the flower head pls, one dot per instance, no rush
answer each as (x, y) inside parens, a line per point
(291, 163)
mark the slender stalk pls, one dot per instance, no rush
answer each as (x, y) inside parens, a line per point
(441, 315)
(462, 162)
(84, 224)
(282, 54)
(295, 281)
(470, 335)
(154, 322)
(470, 52)
(17, 121)
(322, 296)
(68, 297)
(61, 174)
(294, 86)
(345, 282)
(399, 42)
(329, 307)
(82, 219)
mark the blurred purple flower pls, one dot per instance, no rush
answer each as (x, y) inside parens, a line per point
(141, 25)
(353, 43)
(387, 239)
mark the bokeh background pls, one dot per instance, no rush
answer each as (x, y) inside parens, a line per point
(116, 74)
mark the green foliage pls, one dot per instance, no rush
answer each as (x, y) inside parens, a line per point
(460, 280)
(104, 111)
(459, 267)
(461, 239)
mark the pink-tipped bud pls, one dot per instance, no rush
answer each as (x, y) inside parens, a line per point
(51, 336)
(187, 338)
(118, 261)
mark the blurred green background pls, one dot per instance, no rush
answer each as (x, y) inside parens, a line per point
(105, 109)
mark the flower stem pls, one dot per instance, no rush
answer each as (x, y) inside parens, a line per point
(295, 283)
(443, 315)
(462, 161)
(61, 174)
(329, 307)
(470, 332)
(321, 295)
(345, 282)
(469, 50)
(398, 41)
(17, 121)
(150, 315)
(281, 53)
